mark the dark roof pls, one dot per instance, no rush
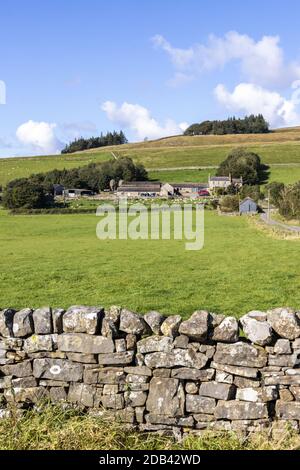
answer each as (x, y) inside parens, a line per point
(79, 190)
(225, 178)
(140, 183)
(146, 188)
(188, 185)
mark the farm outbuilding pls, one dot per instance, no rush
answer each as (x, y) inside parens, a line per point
(76, 193)
(248, 206)
(58, 189)
(139, 189)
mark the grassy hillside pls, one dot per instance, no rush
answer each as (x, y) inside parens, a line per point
(58, 260)
(282, 146)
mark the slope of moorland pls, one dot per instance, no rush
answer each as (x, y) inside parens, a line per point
(281, 147)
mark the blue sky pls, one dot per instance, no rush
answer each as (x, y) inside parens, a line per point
(150, 67)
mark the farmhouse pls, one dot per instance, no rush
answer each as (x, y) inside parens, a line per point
(134, 189)
(248, 206)
(224, 182)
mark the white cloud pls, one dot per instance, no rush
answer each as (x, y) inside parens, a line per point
(253, 99)
(262, 61)
(139, 120)
(39, 137)
(180, 79)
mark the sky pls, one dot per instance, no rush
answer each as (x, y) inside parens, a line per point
(152, 67)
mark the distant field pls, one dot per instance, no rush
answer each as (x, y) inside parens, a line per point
(182, 176)
(282, 146)
(285, 174)
(57, 260)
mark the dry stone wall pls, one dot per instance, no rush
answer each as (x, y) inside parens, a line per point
(154, 372)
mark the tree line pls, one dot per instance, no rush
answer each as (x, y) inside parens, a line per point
(110, 138)
(249, 125)
(37, 190)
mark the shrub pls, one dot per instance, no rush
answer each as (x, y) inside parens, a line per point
(229, 204)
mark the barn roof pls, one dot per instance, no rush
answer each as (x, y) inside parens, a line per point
(247, 199)
(189, 185)
(140, 183)
(220, 178)
(137, 188)
(226, 178)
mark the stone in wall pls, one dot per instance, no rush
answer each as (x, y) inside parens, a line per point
(256, 328)
(42, 321)
(80, 319)
(240, 354)
(196, 328)
(285, 322)
(85, 343)
(133, 323)
(111, 322)
(154, 320)
(171, 326)
(226, 331)
(166, 397)
(23, 323)
(57, 369)
(6, 322)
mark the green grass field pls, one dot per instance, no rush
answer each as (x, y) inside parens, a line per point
(57, 260)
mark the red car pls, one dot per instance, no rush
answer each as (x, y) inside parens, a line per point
(204, 193)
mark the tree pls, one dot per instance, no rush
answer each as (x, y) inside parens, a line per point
(24, 193)
(289, 204)
(243, 163)
(251, 191)
(232, 189)
(276, 192)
